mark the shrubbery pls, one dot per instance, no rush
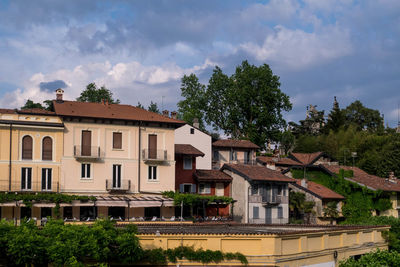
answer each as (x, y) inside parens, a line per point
(373, 259)
(102, 243)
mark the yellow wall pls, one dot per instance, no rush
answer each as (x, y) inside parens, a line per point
(278, 250)
(37, 133)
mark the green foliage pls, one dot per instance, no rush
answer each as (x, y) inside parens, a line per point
(139, 105)
(373, 259)
(92, 93)
(331, 211)
(287, 141)
(362, 117)
(47, 105)
(336, 118)
(153, 107)
(191, 199)
(28, 198)
(298, 205)
(246, 105)
(60, 244)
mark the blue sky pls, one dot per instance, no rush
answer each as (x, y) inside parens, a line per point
(141, 49)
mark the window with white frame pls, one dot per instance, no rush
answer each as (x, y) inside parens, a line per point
(116, 183)
(187, 188)
(26, 179)
(46, 179)
(204, 188)
(256, 213)
(85, 170)
(152, 175)
(187, 163)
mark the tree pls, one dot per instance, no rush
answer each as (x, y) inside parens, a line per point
(299, 207)
(363, 117)
(330, 211)
(193, 106)
(336, 118)
(153, 107)
(139, 105)
(94, 94)
(30, 104)
(372, 259)
(312, 124)
(287, 141)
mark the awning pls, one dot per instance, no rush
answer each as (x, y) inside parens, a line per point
(144, 203)
(82, 203)
(112, 203)
(168, 203)
(8, 204)
(44, 205)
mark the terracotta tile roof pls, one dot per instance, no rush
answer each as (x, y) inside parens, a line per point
(235, 143)
(109, 111)
(186, 149)
(257, 173)
(7, 111)
(281, 161)
(212, 175)
(365, 179)
(37, 111)
(321, 191)
(307, 158)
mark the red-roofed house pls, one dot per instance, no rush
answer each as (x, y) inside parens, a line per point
(262, 194)
(233, 151)
(321, 196)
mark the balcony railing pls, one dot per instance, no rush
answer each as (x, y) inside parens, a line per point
(90, 152)
(155, 155)
(265, 199)
(29, 187)
(123, 185)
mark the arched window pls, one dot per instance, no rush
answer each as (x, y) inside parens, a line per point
(47, 148)
(27, 147)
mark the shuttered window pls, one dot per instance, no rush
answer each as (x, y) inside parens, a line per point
(27, 147)
(47, 148)
(117, 140)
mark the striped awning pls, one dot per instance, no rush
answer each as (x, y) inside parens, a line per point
(44, 205)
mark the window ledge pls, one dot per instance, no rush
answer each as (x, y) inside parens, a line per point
(153, 181)
(86, 179)
(118, 149)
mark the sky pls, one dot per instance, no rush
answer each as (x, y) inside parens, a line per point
(141, 49)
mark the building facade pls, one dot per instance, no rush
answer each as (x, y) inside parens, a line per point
(234, 152)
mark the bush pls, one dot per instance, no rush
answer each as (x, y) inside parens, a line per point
(373, 259)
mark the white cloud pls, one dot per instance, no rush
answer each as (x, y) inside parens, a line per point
(298, 49)
(274, 10)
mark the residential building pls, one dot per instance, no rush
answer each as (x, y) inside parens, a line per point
(233, 151)
(268, 245)
(321, 196)
(31, 147)
(390, 186)
(262, 194)
(192, 135)
(185, 167)
(277, 163)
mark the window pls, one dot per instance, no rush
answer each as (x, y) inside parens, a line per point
(116, 212)
(152, 146)
(86, 143)
(233, 155)
(187, 188)
(87, 213)
(45, 212)
(67, 213)
(187, 163)
(47, 148)
(116, 176)
(26, 212)
(117, 140)
(26, 179)
(191, 130)
(46, 179)
(279, 190)
(27, 147)
(280, 212)
(254, 189)
(219, 189)
(216, 155)
(152, 173)
(85, 170)
(256, 213)
(204, 188)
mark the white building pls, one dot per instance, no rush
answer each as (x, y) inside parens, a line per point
(188, 134)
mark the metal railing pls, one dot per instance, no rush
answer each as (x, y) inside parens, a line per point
(155, 155)
(34, 186)
(268, 199)
(123, 185)
(81, 151)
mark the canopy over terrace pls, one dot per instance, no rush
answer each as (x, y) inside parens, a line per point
(124, 201)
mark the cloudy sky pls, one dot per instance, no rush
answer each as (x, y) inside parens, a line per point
(141, 49)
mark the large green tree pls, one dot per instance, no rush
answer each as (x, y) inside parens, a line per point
(362, 117)
(193, 105)
(153, 107)
(336, 118)
(47, 105)
(93, 93)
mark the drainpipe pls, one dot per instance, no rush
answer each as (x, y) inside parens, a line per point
(9, 165)
(139, 158)
(248, 204)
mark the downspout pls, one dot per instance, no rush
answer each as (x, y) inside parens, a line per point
(9, 165)
(139, 157)
(248, 204)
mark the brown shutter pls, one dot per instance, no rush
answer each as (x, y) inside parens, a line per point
(27, 144)
(47, 149)
(152, 146)
(117, 140)
(86, 143)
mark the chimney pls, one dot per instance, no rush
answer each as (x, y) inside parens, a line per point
(106, 102)
(165, 113)
(304, 183)
(196, 123)
(174, 115)
(59, 95)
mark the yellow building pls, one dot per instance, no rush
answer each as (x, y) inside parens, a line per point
(31, 147)
(266, 245)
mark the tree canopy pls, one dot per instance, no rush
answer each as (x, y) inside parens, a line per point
(246, 105)
(93, 93)
(153, 107)
(47, 105)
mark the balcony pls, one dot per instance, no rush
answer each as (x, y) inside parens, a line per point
(124, 185)
(155, 155)
(265, 199)
(87, 152)
(31, 187)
